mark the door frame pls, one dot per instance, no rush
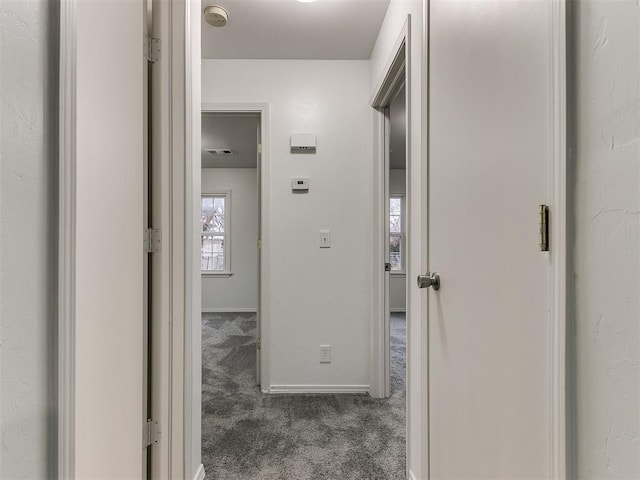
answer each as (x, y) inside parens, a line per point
(396, 72)
(66, 241)
(263, 235)
(558, 255)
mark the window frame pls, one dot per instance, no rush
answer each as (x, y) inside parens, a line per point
(401, 233)
(227, 272)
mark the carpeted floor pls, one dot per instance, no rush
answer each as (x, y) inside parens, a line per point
(247, 435)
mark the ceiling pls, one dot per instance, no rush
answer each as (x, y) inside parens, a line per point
(288, 29)
(238, 132)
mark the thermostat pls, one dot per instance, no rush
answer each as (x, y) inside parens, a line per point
(300, 184)
(303, 143)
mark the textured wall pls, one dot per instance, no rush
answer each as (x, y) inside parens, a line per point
(28, 249)
(605, 107)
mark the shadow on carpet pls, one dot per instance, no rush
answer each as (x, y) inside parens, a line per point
(249, 435)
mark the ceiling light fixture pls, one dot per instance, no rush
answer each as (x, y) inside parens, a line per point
(306, 1)
(216, 15)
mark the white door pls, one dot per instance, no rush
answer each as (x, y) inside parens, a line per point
(489, 155)
(109, 309)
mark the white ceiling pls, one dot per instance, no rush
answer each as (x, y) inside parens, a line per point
(288, 29)
(239, 132)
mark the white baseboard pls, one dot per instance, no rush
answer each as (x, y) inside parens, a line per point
(412, 476)
(200, 473)
(279, 389)
(398, 310)
(229, 310)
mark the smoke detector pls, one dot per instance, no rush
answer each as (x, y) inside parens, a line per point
(216, 16)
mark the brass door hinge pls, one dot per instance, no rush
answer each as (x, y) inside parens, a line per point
(544, 228)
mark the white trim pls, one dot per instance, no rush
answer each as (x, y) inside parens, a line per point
(67, 241)
(558, 241)
(396, 67)
(230, 310)
(388, 83)
(213, 274)
(289, 389)
(412, 476)
(199, 473)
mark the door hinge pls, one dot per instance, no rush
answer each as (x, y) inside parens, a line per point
(259, 343)
(259, 244)
(151, 433)
(259, 149)
(151, 49)
(544, 228)
(387, 267)
(152, 240)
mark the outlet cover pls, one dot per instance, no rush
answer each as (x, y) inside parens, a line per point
(325, 239)
(325, 353)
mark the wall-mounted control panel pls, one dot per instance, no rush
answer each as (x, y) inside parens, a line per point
(300, 184)
(304, 143)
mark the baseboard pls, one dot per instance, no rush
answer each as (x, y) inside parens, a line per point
(412, 476)
(229, 310)
(288, 389)
(200, 473)
(398, 310)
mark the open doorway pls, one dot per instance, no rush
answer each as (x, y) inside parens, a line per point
(230, 264)
(395, 213)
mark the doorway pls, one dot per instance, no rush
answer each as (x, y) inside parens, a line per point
(396, 245)
(230, 232)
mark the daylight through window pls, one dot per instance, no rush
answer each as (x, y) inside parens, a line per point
(396, 234)
(214, 223)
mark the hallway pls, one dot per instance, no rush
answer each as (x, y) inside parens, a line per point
(246, 434)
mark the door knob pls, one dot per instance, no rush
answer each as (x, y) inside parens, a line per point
(429, 280)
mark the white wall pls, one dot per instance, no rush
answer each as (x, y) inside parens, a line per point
(239, 292)
(605, 105)
(28, 238)
(391, 28)
(316, 296)
(398, 281)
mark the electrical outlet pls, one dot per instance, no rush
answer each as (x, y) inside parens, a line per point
(325, 238)
(325, 353)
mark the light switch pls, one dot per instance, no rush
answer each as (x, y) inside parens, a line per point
(325, 238)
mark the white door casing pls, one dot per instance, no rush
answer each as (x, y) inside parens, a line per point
(495, 327)
(102, 138)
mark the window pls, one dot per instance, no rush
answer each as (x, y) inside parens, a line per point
(396, 233)
(214, 220)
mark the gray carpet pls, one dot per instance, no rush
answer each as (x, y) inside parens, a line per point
(251, 436)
